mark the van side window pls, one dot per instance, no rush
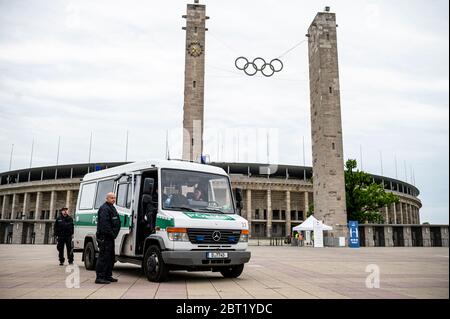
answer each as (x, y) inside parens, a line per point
(122, 195)
(129, 196)
(104, 187)
(87, 196)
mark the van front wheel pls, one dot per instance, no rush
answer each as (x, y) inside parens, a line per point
(89, 256)
(232, 271)
(153, 265)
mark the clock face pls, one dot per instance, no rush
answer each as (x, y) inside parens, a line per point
(195, 49)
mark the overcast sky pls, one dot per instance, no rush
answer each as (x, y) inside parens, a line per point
(69, 68)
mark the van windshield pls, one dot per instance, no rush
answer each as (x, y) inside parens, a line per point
(196, 192)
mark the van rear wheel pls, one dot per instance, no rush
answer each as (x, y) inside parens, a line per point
(89, 256)
(232, 271)
(153, 265)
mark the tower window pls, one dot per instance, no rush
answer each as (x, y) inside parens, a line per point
(195, 29)
(332, 146)
(192, 141)
(194, 84)
(328, 36)
(331, 90)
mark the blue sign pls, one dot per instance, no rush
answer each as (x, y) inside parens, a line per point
(353, 240)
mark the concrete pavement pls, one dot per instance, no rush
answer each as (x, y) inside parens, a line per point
(32, 271)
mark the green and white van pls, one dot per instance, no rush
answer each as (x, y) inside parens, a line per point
(193, 232)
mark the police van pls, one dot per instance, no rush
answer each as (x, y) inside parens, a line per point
(196, 226)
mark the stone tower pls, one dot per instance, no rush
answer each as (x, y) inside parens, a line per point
(194, 79)
(326, 125)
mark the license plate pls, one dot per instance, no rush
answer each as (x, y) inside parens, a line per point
(216, 254)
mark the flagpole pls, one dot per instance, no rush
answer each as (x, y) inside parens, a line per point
(381, 162)
(90, 149)
(406, 173)
(11, 156)
(31, 156)
(167, 145)
(218, 146)
(360, 156)
(395, 160)
(126, 148)
(304, 159)
(57, 152)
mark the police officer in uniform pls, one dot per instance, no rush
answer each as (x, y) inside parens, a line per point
(108, 226)
(64, 232)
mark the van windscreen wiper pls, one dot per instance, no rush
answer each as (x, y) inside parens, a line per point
(182, 208)
(212, 210)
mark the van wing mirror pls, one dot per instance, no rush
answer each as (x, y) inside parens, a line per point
(149, 184)
(239, 198)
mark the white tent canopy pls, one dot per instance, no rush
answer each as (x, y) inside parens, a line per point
(308, 224)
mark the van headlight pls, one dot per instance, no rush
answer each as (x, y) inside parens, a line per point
(244, 236)
(177, 234)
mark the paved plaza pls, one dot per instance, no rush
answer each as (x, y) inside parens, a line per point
(32, 271)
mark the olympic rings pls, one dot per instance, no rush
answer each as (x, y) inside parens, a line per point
(258, 64)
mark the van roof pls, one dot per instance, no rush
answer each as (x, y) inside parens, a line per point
(137, 166)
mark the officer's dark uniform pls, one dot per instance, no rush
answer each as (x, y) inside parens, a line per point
(64, 231)
(108, 227)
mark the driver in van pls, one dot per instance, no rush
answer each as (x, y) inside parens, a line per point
(198, 196)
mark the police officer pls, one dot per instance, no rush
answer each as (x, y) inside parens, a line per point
(64, 233)
(108, 226)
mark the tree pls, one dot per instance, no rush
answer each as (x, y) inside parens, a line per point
(364, 197)
(310, 210)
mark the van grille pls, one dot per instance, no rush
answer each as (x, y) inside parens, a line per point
(213, 236)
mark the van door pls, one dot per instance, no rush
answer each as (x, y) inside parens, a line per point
(124, 195)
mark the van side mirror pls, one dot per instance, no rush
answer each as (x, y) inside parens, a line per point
(149, 184)
(239, 195)
(239, 198)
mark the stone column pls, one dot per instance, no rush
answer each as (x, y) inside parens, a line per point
(386, 214)
(269, 214)
(39, 229)
(405, 217)
(37, 208)
(17, 233)
(410, 213)
(68, 200)
(52, 205)
(4, 204)
(418, 216)
(388, 236)
(368, 235)
(249, 208)
(444, 236)
(407, 236)
(306, 206)
(26, 205)
(406, 214)
(401, 212)
(13, 206)
(288, 213)
(426, 236)
(394, 206)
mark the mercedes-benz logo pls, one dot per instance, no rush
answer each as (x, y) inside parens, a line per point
(216, 235)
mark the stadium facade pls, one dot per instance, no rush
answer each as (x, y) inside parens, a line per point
(273, 203)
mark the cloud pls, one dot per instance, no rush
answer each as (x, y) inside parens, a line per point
(69, 68)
